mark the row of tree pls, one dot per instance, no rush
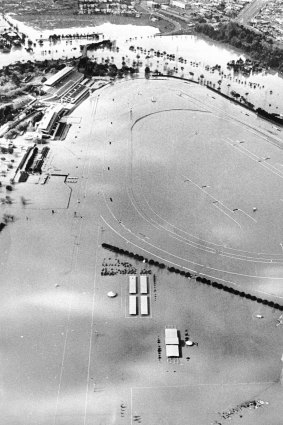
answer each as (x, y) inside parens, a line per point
(257, 45)
(55, 37)
(90, 68)
(104, 44)
(137, 257)
(187, 274)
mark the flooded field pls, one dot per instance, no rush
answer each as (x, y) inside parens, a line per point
(73, 356)
(262, 89)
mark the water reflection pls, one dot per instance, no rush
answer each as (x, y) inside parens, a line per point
(199, 56)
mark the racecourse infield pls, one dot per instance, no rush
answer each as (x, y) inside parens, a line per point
(168, 170)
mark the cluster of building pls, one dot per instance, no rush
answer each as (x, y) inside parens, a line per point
(33, 6)
(172, 342)
(32, 162)
(142, 298)
(50, 121)
(66, 88)
(270, 20)
(213, 12)
(9, 39)
(113, 7)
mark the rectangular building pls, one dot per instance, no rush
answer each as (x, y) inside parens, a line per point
(132, 305)
(171, 336)
(132, 284)
(178, 3)
(143, 284)
(52, 114)
(172, 351)
(59, 76)
(144, 305)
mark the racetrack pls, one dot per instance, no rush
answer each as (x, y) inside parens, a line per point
(155, 167)
(194, 185)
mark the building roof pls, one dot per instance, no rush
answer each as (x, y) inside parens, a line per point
(48, 116)
(133, 304)
(60, 74)
(171, 341)
(171, 336)
(172, 351)
(170, 332)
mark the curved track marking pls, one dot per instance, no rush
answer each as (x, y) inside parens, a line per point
(184, 267)
(256, 159)
(215, 201)
(175, 256)
(181, 230)
(181, 258)
(217, 246)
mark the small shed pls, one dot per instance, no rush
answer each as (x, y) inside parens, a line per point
(132, 284)
(143, 284)
(144, 305)
(171, 336)
(172, 350)
(132, 305)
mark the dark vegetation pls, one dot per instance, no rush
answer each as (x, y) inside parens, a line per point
(237, 98)
(188, 275)
(20, 75)
(90, 69)
(55, 37)
(104, 44)
(257, 45)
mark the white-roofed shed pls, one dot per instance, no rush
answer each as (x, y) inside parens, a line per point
(171, 336)
(172, 351)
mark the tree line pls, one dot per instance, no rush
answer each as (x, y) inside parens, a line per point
(187, 274)
(259, 46)
(90, 68)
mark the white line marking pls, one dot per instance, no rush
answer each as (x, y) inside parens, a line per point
(204, 385)
(235, 252)
(194, 263)
(131, 406)
(173, 235)
(254, 158)
(214, 200)
(70, 300)
(91, 329)
(223, 212)
(239, 209)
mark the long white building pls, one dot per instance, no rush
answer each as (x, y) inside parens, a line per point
(132, 284)
(59, 76)
(143, 284)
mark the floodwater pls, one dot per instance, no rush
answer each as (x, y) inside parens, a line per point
(262, 89)
(179, 186)
(72, 356)
(67, 48)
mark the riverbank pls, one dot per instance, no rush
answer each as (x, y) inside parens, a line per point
(257, 45)
(200, 56)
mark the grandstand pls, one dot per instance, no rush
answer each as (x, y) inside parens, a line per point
(59, 76)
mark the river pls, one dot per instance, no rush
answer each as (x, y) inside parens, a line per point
(263, 89)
